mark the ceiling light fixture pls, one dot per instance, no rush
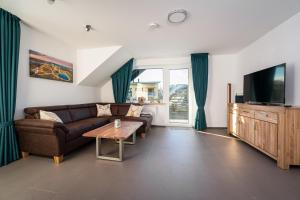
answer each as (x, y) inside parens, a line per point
(177, 16)
(88, 27)
(51, 2)
(154, 25)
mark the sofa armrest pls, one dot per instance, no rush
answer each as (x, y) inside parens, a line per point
(39, 124)
(41, 137)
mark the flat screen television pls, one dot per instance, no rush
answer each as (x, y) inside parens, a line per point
(266, 86)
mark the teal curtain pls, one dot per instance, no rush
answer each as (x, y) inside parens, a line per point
(121, 82)
(200, 79)
(9, 58)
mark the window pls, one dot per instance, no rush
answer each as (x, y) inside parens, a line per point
(179, 96)
(146, 84)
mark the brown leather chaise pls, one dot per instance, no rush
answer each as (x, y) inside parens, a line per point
(54, 139)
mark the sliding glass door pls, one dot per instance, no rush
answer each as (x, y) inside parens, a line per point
(179, 96)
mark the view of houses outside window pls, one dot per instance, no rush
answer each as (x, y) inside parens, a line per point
(148, 85)
(179, 95)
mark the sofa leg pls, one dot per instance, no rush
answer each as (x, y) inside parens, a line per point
(143, 135)
(58, 159)
(25, 154)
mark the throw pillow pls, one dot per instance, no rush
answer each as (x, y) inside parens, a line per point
(45, 115)
(103, 110)
(134, 111)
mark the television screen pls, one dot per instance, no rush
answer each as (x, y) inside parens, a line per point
(266, 86)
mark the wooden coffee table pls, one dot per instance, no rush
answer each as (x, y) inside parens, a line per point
(127, 129)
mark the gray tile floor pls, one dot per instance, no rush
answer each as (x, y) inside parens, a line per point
(171, 163)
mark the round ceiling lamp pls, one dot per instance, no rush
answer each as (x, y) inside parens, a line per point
(177, 16)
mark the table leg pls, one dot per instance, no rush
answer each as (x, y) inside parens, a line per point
(99, 152)
(98, 146)
(133, 139)
(121, 149)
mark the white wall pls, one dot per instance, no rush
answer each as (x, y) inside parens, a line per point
(222, 69)
(106, 92)
(280, 45)
(42, 92)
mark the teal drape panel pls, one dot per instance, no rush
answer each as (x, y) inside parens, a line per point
(121, 82)
(200, 79)
(9, 58)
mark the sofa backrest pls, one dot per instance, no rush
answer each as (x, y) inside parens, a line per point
(67, 113)
(123, 109)
(71, 113)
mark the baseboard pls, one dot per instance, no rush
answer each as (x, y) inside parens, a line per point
(173, 125)
(158, 125)
(186, 126)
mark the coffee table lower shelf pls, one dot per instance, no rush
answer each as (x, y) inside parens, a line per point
(121, 143)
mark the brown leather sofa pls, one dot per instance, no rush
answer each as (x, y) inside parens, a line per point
(47, 138)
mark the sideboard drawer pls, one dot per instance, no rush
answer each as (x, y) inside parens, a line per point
(266, 116)
(246, 112)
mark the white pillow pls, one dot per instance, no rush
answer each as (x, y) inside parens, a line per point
(103, 110)
(134, 111)
(49, 116)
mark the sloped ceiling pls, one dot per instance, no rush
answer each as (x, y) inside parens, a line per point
(214, 26)
(88, 60)
(96, 65)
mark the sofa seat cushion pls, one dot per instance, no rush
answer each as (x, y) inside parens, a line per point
(98, 122)
(76, 129)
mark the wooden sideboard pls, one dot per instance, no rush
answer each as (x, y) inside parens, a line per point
(274, 130)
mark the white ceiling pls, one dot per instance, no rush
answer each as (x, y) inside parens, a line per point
(214, 26)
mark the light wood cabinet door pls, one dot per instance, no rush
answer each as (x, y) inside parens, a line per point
(258, 134)
(249, 130)
(246, 129)
(233, 123)
(293, 127)
(266, 136)
(242, 126)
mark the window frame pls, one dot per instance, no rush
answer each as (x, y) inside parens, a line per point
(161, 111)
(188, 96)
